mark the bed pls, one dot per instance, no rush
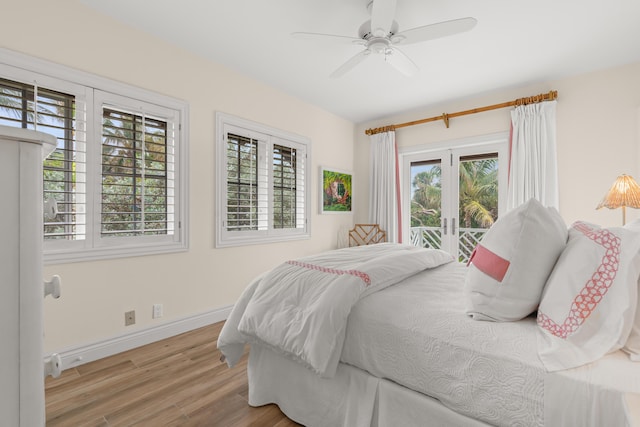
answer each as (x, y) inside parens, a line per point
(408, 351)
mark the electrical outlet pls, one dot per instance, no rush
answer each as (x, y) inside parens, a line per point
(129, 318)
(157, 311)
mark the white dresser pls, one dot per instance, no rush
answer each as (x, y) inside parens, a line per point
(21, 303)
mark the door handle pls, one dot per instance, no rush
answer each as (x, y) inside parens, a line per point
(444, 225)
(53, 287)
(453, 226)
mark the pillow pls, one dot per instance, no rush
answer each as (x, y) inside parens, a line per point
(633, 342)
(509, 267)
(589, 302)
(633, 225)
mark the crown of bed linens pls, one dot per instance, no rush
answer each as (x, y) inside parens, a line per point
(632, 347)
(589, 302)
(510, 266)
(300, 308)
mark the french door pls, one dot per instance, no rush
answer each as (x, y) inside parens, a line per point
(452, 195)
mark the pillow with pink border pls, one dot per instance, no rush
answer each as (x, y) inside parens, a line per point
(589, 302)
(633, 342)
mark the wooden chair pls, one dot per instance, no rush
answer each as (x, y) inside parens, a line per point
(366, 234)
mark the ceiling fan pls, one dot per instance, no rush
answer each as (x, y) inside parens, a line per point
(380, 36)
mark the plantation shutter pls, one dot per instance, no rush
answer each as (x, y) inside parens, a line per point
(138, 165)
(247, 176)
(284, 187)
(289, 170)
(29, 106)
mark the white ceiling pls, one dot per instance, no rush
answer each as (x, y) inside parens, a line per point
(515, 42)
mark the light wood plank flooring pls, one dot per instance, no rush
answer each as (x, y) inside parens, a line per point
(179, 381)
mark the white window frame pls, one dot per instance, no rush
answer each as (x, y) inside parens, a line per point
(93, 90)
(267, 137)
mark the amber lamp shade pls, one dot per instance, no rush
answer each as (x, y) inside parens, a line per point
(624, 192)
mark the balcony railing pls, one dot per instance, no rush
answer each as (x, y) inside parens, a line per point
(431, 237)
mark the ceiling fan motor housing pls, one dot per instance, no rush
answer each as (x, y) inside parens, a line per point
(365, 31)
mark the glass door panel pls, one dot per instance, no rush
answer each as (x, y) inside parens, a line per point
(478, 194)
(426, 203)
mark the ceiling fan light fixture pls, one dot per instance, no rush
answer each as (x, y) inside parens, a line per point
(379, 45)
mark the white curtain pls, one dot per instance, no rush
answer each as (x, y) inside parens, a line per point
(384, 200)
(533, 169)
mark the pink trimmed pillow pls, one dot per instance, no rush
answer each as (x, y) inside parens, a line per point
(589, 302)
(508, 269)
(632, 347)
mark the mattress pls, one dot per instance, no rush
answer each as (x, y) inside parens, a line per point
(417, 335)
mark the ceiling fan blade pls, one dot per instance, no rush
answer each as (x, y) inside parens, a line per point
(350, 64)
(434, 31)
(401, 62)
(333, 37)
(382, 15)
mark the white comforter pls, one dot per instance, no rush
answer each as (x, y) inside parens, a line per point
(300, 308)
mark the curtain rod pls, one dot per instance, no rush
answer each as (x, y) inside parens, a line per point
(552, 95)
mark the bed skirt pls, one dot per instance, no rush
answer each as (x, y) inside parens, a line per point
(352, 398)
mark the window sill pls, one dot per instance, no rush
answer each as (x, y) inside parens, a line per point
(96, 254)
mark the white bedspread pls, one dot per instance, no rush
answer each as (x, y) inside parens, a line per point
(488, 371)
(300, 308)
(423, 340)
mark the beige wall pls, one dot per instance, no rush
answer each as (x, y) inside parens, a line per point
(96, 294)
(598, 120)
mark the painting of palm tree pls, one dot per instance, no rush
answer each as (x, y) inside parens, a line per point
(336, 191)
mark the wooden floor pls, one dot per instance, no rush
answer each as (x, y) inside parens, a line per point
(179, 381)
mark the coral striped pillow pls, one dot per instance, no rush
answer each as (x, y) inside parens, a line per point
(589, 302)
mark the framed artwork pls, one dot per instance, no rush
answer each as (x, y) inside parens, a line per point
(336, 191)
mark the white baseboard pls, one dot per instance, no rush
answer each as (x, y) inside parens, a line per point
(79, 355)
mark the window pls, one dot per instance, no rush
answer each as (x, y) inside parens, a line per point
(135, 200)
(138, 170)
(117, 174)
(454, 193)
(63, 176)
(262, 184)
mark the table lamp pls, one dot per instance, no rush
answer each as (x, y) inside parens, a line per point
(624, 192)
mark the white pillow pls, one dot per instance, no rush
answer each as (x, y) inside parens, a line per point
(633, 342)
(510, 266)
(589, 302)
(633, 225)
